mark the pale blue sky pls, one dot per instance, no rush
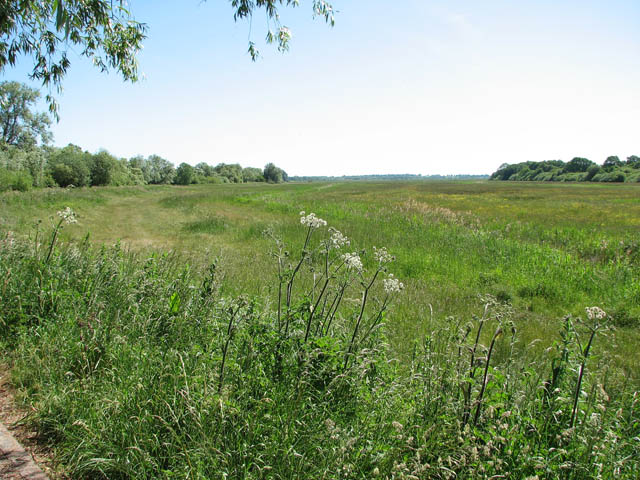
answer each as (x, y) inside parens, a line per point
(396, 87)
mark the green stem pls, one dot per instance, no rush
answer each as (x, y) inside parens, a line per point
(355, 330)
(485, 376)
(53, 240)
(580, 375)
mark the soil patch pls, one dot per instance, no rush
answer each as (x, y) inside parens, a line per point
(17, 463)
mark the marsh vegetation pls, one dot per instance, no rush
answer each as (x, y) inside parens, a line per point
(217, 331)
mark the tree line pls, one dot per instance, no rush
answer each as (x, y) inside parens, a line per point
(576, 170)
(28, 160)
(386, 177)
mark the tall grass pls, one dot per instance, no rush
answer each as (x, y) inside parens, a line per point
(138, 365)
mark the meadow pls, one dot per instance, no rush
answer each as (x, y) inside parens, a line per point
(549, 250)
(522, 260)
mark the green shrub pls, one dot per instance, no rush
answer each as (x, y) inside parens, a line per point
(15, 180)
(634, 177)
(613, 176)
(591, 172)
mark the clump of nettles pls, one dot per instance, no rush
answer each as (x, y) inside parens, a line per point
(138, 367)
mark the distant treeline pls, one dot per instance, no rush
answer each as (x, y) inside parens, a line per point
(577, 170)
(28, 160)
(401, 176)
(46, 166)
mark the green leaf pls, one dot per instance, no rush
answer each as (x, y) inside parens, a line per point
(174, 303)
(59, 9)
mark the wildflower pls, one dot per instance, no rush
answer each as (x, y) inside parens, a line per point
(68, 215)
(382, 256)
(595, 313)
(352, 261)
(338, 239)
(311, 220)
(392, 284)
(397, 425)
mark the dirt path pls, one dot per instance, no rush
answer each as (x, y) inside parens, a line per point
(21, 456)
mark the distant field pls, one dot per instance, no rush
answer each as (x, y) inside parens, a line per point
(548, 249)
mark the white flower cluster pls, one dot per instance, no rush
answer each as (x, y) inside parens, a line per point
(311, 220)
(338, 239)
(382, 256)
(595, 313)
(67, 215)
(392, 284)
(352, 261)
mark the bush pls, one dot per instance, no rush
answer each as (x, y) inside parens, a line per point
(70, 166)
(614, 176)
(591, 172)
(635, 177)
(185, 175)
(103, 166)
(15, 180)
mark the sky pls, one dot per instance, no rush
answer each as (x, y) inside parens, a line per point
(414, 86)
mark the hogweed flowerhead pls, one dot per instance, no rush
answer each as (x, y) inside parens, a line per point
(311, 220)
(382, 255)
(337, 239)
(392, 284)
(352, 261)
(68, 216)
(595, 313)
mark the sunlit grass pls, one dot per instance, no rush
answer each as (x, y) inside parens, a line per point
(548, 249)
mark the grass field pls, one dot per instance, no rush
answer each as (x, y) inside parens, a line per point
(112, 346)
(550, 250)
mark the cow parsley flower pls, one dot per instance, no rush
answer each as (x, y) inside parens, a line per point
(352, 261)
(595, 313)
(311, 220)
(337, 239)
(392, 284)
(382, 256)
(68, 215)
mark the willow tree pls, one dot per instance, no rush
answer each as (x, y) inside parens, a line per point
(107, 33)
